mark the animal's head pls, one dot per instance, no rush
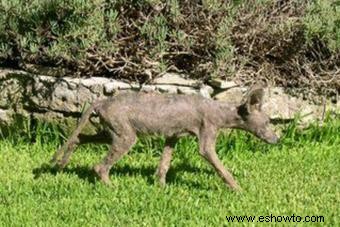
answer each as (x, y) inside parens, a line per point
(253, 119)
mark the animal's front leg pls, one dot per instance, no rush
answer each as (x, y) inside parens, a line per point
(104, 167)
(207, 150)
(165, 161)
(120, 146)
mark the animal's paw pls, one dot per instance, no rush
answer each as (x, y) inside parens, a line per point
(102, 173)
(237, 189)
(57, 165)
(160, 182)
(53, 162)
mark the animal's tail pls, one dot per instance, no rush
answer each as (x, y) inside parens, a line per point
(74, 136)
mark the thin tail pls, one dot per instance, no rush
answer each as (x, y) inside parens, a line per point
(73, 138)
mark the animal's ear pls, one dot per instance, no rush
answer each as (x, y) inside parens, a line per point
(243, 111)
(254, 98)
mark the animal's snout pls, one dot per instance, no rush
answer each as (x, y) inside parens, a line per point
(274, 139)
(270, 136)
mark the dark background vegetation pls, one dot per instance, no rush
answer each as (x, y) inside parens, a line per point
(294, 43)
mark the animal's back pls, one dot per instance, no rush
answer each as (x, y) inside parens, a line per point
(166, 114)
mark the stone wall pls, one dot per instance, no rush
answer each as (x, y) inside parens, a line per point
(62, 100)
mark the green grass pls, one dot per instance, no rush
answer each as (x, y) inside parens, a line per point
(299, 176)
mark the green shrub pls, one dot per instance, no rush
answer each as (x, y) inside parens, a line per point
(269, 40)
(52, 30)
(322, 21)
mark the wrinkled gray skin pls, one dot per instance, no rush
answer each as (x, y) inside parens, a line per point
(129, 114)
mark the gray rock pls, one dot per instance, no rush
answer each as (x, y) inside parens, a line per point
(59, 95)
(66, 123)
(10, 73)
(186, 90)
(71, 100)
(172, 89)
(223, 84)
(45, 79)
(5, 117)
(279, 105)
(8, 116)
(20, 90)
(232, 95)
(148, 88)
(175, 79)
(114, 85)
(135, 86)
(206, 91)
(94, 81)
(11, 93)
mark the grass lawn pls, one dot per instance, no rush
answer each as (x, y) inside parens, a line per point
(300, 177)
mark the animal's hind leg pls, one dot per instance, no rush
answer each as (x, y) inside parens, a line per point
(73, 140)
(120, 145)
(165, 161)
(100, 137)
(64, 150)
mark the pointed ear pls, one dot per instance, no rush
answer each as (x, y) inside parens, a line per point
(254, 98)
(243, 111)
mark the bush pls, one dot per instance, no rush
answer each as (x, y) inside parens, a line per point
(323, 22)
(51, 32)
(291, 43)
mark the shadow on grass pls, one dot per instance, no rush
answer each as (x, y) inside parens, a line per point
(147, 172)
(81, 172)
